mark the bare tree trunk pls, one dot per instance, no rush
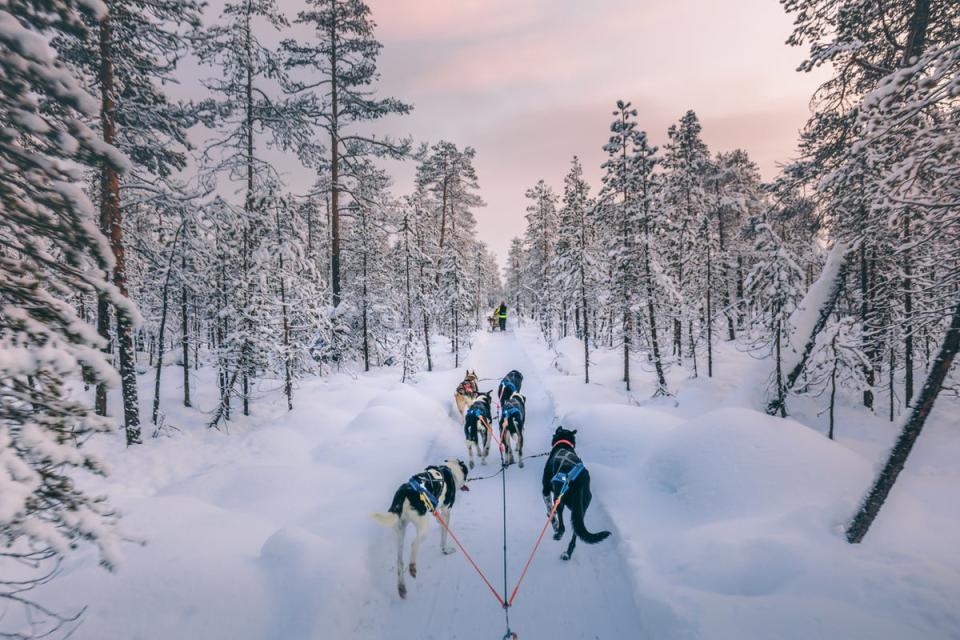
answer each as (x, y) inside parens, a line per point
(245, 355)
(911, 430)
(693, 347)
(185, 336)
(287, 374)
(725, 276)
(907, 315)
(163, 323)
(334, 165)
(868, 371)
(833, 385)
(364, 308)
(890, 379)
(781, 392)
(709, 318)
(110, 194)
(586, 330)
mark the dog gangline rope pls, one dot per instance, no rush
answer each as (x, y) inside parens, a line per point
(504, 603)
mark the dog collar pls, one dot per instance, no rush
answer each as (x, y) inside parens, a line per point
(566, 442)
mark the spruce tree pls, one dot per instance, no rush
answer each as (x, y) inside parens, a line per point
(333, 76)
(50, 249)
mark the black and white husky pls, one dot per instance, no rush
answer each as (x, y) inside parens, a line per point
(565, 465)
(513, 414)
(476, 427)
(510, 384)
(436, 485)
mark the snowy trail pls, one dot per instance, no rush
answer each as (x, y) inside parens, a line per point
(589, 597)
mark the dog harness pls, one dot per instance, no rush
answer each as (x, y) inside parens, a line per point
(509, 411)
(564, 479)
(509, 385)
(430, 501)
(476, 411)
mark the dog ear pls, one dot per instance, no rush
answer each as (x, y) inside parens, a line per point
(574, 432)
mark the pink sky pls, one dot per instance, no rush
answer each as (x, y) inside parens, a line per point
(530, 83)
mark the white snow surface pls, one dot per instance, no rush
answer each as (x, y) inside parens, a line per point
(726, 523)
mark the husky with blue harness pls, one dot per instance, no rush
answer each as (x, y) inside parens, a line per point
(513, 415)
(567, 480)
(510, 384)
(476, 427)
(431, 491)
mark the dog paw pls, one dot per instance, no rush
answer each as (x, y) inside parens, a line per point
(558, 535)
(413, 571)
(564, 556)
(471, 464)
(448, 551)
(402, 590)
(520, 464)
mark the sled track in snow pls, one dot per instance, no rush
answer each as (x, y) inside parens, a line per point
(589, 597)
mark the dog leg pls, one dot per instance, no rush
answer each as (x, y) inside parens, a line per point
(421, 524)
(445, 514)
(399, 531)
(470, 452)
(558, 528)
(520, 448)
(569, 552)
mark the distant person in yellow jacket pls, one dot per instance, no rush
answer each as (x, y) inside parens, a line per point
(502, 315)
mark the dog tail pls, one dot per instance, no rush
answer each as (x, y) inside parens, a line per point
(385, 519)
(576, 517)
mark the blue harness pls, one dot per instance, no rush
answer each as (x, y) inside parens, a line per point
(475, 411)
(564, 479)
(509, 411)
(417, 486)
(506, 383)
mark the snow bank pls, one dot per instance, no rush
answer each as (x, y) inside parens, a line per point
(569, 358)
(262, 532)
(731, 520)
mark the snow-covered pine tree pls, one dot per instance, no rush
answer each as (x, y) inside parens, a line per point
(124, 57)
(736, 195)
(687, 162)
(332, 92)
(516, 279)
(540, 240)
(773, 287)
(51, 249)
(651, 274)
(447, 187)
(886, 119)
(620, 209)
(241, 111)
(575, 257)
(869, 160)
(367, 286)
(406, 262)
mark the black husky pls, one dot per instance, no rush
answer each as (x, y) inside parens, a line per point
(510, 384)
(513, 413)
(564, 468)
(476, 427)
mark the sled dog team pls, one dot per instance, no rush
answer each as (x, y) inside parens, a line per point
(433, 491)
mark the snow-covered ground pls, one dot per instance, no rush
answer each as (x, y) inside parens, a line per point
(726, 522)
